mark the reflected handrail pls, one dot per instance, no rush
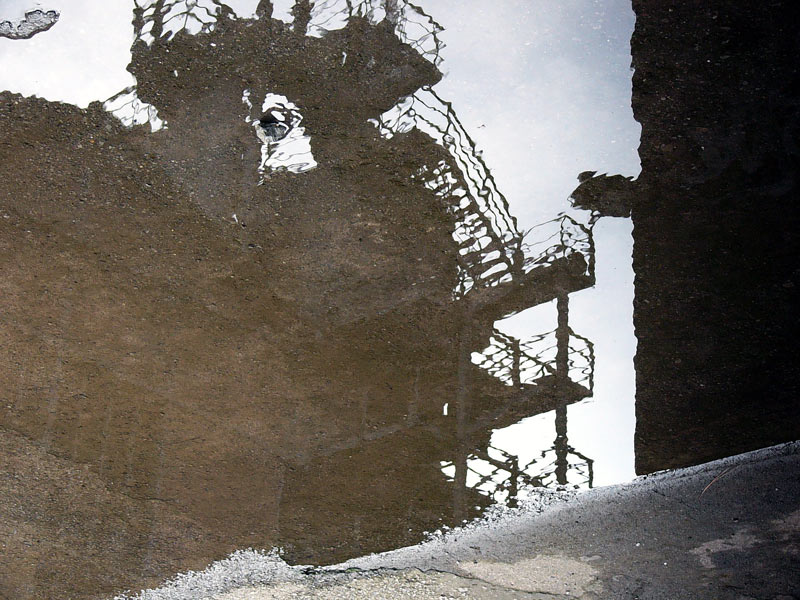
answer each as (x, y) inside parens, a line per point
(433, 115)
(131, 111)
(578, 474)
(163, 19)
(412, 25)
(570, 236)
(487, 233)
(497, 474)
(492, 249)
(525, 363)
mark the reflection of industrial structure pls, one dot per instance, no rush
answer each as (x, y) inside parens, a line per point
(561, 363)
(492, 250)
(508, 271)
(501, 270)
(268, 358)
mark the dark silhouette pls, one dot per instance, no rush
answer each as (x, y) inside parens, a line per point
(715, 228)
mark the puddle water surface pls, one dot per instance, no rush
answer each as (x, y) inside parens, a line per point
(306, 275)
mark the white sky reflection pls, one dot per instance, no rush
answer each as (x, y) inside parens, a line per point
(82, 58)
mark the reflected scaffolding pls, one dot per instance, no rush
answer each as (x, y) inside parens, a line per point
(131, 111)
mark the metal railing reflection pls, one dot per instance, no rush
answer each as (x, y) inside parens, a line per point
(497, 474)
(412, 25)
(492, 248)
(556, 239)
(516, 362)
(163, 19)
(550, 370)
(157, 19)
(131, 111)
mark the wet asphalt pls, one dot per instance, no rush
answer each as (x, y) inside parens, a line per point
(728, 529)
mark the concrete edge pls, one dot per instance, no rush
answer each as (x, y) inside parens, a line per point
(258, 568)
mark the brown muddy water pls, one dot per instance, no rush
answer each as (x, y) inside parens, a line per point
(317, 276)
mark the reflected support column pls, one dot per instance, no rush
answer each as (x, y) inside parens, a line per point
(462, 407)
(562, 375)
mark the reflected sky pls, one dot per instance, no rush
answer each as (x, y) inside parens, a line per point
(83, 58)
(552, 100)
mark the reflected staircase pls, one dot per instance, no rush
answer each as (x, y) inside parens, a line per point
(502, 270)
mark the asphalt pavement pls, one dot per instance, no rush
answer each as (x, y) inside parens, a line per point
(728, 529)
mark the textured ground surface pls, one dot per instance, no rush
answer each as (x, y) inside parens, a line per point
(729, 529)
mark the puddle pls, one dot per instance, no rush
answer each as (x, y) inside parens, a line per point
(306, 275)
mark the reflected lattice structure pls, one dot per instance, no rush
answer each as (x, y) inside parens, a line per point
(163, 19)
(494, 253)
(499, 475)
(412, 25)
(516, 362)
